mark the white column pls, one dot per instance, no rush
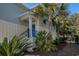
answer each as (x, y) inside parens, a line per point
(30, 27)
(30, 34)
(37, 25)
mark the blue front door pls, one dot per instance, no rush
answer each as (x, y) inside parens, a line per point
(33, 31)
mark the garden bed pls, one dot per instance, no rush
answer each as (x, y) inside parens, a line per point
(38, 53)
(61, 46)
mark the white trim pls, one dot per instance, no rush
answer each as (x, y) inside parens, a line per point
(30, 27)
(23, 14)
(26, 15)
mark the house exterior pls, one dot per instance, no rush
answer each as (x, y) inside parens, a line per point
(16, 19)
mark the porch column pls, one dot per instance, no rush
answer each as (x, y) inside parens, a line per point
(30, 27)
(37, 25)
(30, 34)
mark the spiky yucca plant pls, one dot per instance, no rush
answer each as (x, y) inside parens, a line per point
(16, 46)
(44, 42)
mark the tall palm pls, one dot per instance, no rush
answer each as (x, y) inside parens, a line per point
(46, 12)
(53, 14)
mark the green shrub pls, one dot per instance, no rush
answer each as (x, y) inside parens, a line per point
(44, 42)
(16, 46)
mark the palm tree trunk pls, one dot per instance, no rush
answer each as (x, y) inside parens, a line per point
(49, 24)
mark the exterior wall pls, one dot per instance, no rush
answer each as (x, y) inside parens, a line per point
(8, 29)
(9, 12)
(10, 24)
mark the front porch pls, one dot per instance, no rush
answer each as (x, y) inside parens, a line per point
(32, 26)
(32, 23)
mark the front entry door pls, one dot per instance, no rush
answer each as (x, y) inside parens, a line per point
(33, 31)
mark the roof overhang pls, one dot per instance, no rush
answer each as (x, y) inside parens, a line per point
(25, 16)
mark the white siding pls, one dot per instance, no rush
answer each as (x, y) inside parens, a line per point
(8, 29)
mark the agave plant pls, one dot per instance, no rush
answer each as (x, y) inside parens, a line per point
(16, 46)
(44, 42)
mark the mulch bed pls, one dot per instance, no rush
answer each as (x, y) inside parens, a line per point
(61, 46)
(37, 53)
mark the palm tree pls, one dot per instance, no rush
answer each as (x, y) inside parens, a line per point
(46, 12)
(54, 14)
